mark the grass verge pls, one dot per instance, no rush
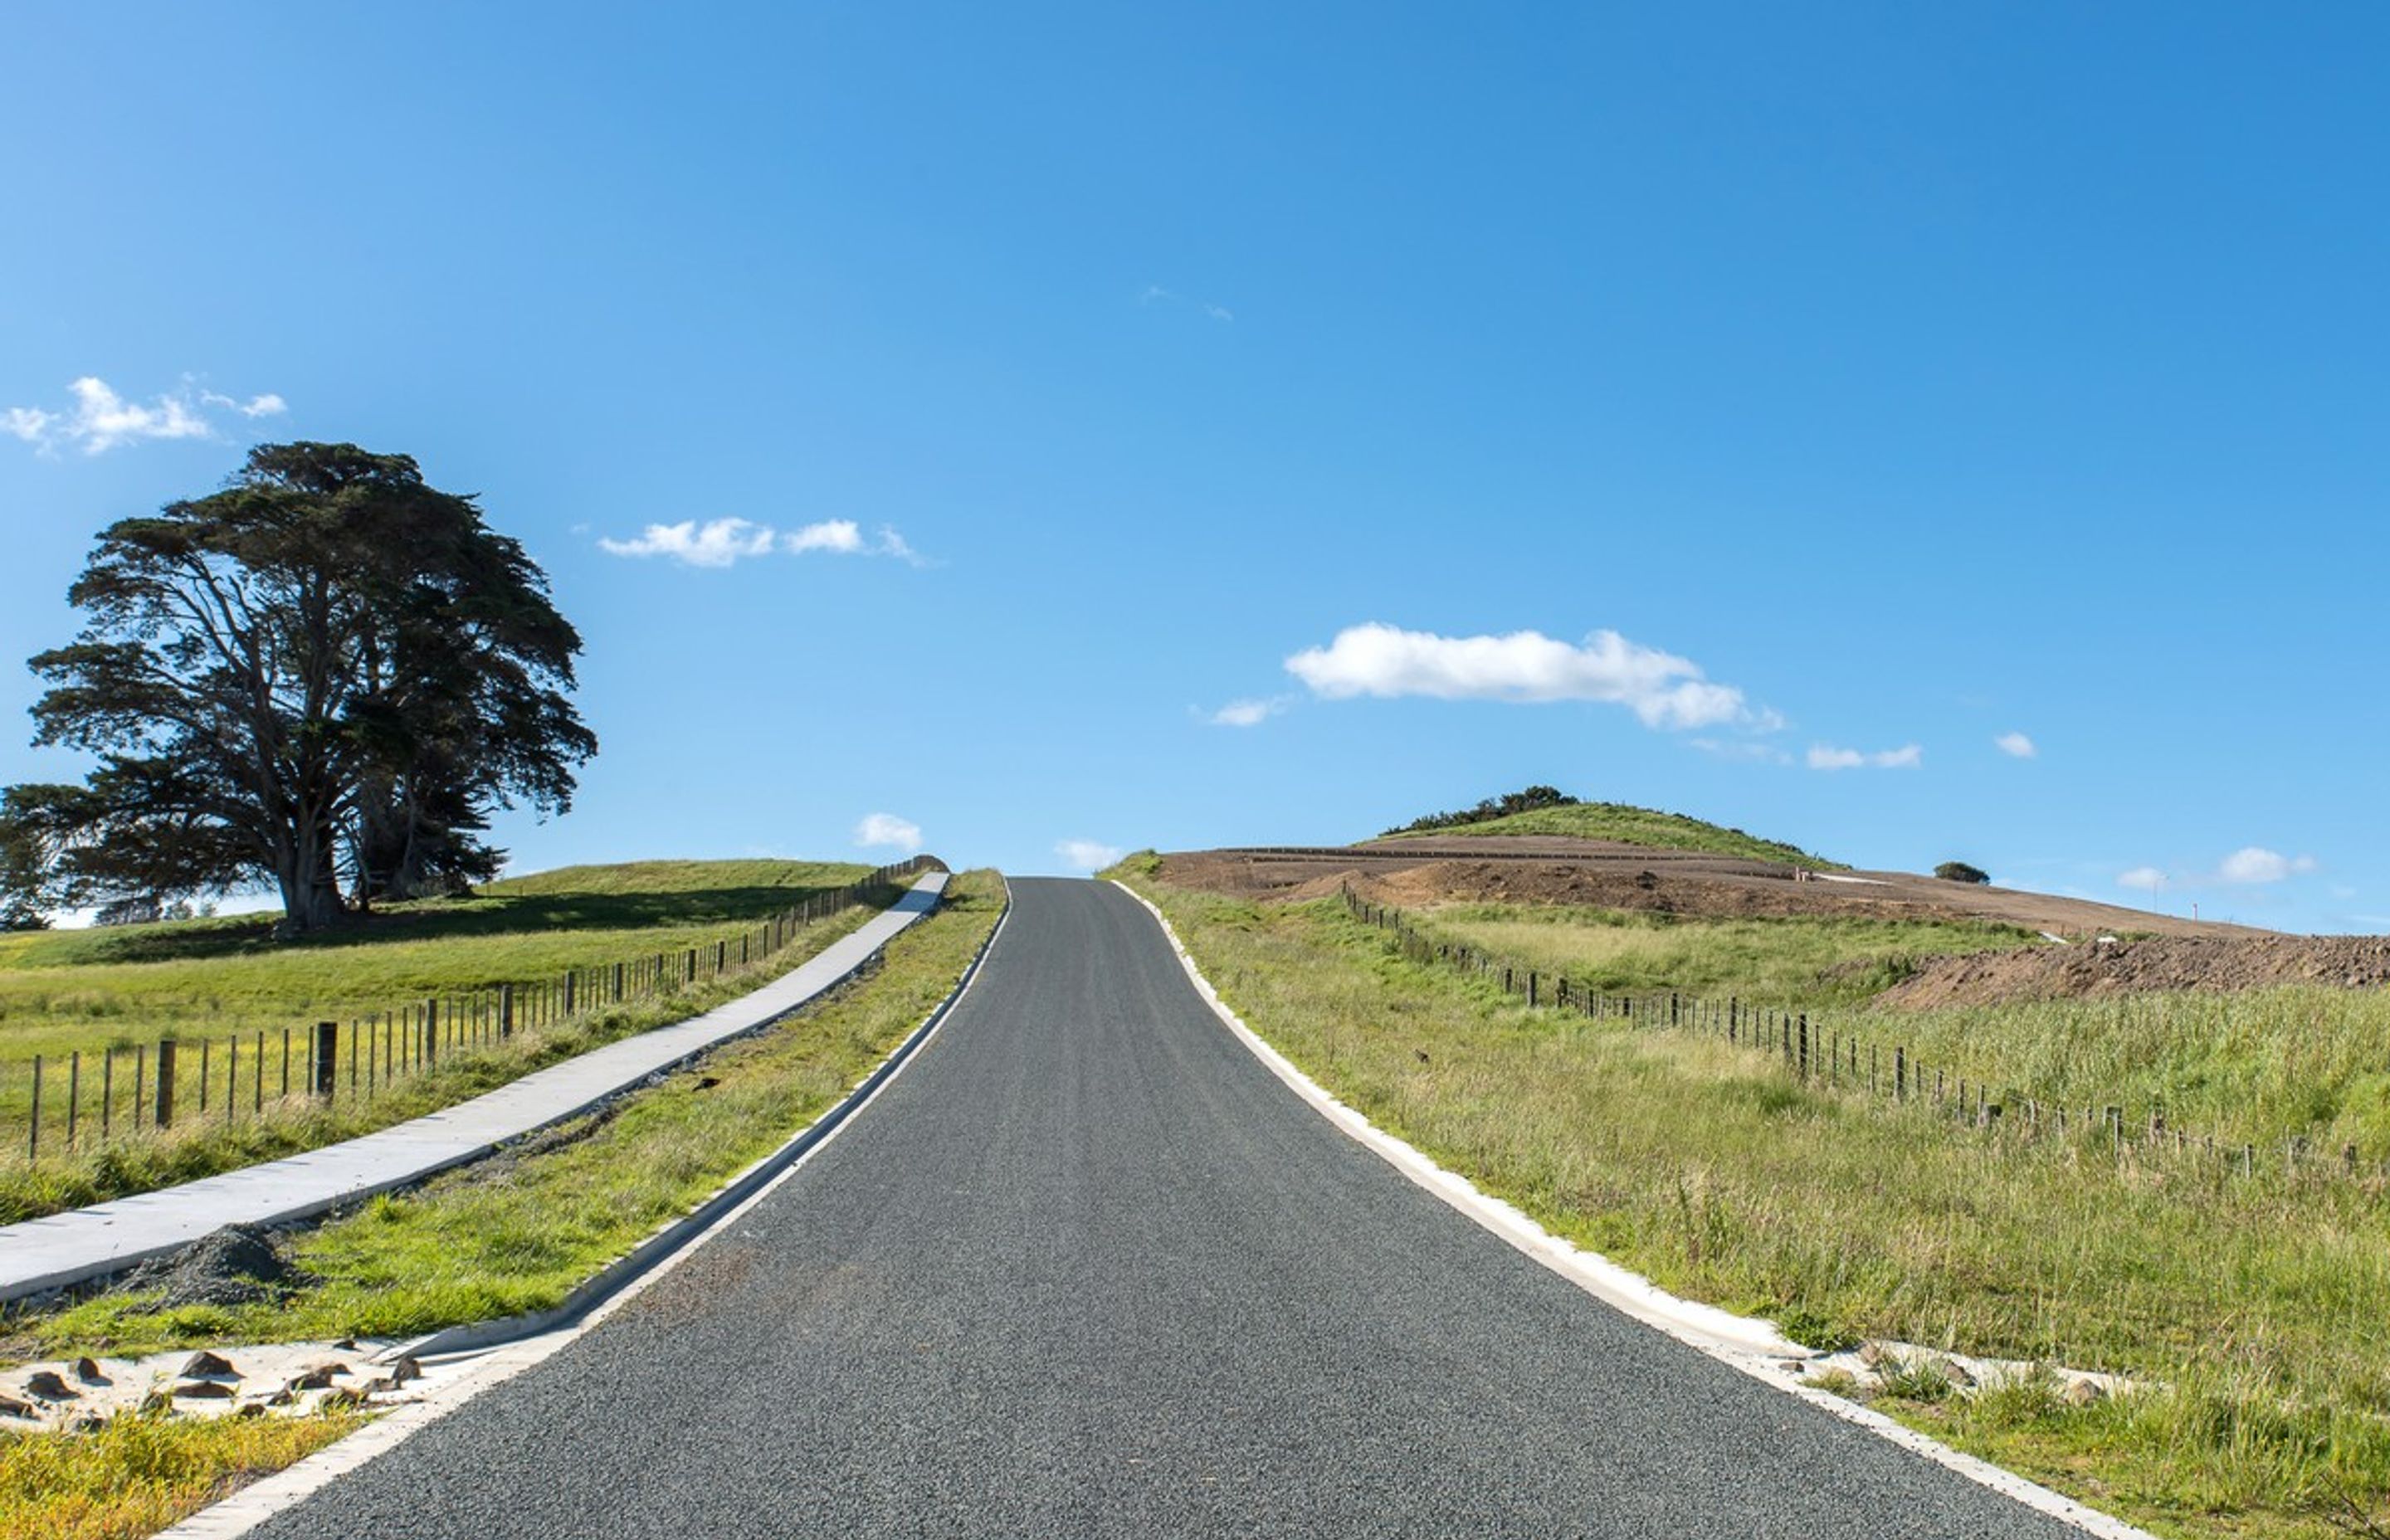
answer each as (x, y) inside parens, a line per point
(2251, 1304)
(519, 1231)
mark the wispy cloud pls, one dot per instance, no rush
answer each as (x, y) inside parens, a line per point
(1247, 713)
(2250, 866)
(1087, 855)
(1825, 756)
(100, 419)
(887, 829)
(717, 542)
(2016, 746)
(725, 541)
(1522, 667)
(1155, 294)
(2254, 865)
(1742, 749)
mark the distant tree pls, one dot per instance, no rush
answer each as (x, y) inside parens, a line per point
(326, 671)
(1527, 799)
(1958, 871)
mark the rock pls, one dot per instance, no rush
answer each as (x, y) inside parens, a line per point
(11, 1406)
(158, 1401)
(203, 1364)
(375, 1386)
(1872, 1353)
(255, 1408)
(88, 1372)
(2084, 1392)
(46, 1384)
(203, 1389)
(87, 1423)
(346, 1344)
(1958, 1374)
(405, 1369)
(318, 1377)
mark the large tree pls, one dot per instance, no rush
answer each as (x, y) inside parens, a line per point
(323, 677)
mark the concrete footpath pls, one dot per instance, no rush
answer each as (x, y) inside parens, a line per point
(43, 1254)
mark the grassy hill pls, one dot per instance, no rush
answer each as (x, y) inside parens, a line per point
(1633, 826)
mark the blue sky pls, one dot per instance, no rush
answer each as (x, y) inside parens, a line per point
(1888, 379)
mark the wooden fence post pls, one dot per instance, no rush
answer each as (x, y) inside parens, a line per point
(327, 1044)
(164, 1116)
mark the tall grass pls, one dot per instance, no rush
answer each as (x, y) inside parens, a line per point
(2254, 1303)
(2259, 1068)
(139, 1474)
(1797, 961)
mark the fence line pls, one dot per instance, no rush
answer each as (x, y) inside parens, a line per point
(400, 1044)
(1816, 1053)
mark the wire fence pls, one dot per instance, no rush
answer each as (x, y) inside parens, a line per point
(80, 1101)
(1824, 1054)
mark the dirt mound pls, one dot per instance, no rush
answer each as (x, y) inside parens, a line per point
(1549, 869)
(235, 1265)
(2155, 965)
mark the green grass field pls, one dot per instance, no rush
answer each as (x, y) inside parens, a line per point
(138, 1475)
(1801, 963)
(2259, 1068)
(1635, 826)
(2252, 1306)
(93, 989)
(207, 978)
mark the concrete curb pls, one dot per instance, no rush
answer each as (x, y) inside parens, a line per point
(615, 1275)
(1752, 1347)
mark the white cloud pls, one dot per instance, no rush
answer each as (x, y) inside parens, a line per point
(266, 405)
(2253, 864)
(832, 534)
(2148, 879)
(717, 542)
(1087, 855)
(1824, 756)
(1524, 666)
(2016, 746)
(886, 828)
(1153, 292)
(1247, 713)
(1219, 313)
(101, 419)
(724, 542)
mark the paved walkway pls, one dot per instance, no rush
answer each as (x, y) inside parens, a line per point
(106, 1238)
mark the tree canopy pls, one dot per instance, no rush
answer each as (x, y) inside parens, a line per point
(324, 678)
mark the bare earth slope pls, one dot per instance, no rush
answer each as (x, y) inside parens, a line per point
(1549, 869)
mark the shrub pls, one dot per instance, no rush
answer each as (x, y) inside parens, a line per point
(1958, 871)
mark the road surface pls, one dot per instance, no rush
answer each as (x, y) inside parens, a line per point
(1086, 1269)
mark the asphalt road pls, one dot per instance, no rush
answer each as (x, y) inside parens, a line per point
(1086, 1269)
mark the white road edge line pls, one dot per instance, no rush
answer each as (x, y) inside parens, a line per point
(254, 1504)
(1754, 1347)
